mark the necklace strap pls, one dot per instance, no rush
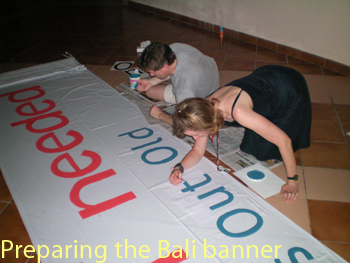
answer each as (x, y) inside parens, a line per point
(217, 149)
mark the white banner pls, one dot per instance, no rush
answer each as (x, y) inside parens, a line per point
(90, 179)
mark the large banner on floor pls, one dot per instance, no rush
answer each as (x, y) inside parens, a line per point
(90, 179)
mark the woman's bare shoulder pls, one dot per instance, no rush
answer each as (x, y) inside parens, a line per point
(222, 92)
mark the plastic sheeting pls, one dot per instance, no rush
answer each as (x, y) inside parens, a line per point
(90, 179)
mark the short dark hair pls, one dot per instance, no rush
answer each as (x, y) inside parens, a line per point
(155, 56)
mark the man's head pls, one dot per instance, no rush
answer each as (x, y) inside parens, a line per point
(155, 56)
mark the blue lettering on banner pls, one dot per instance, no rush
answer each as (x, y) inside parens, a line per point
(143, 133)
(159, 139)
(140, 134)
(252, 230)
(291, 254)
(221, 220)
(217, 190)
(192, 187)
(131, 134)
(173, 156)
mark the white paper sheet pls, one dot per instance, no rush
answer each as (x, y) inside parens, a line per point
(268, 186)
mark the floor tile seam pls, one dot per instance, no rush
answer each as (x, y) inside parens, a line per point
(188, 24)
(280, 196)
(321, 240)
(33, 254)
(326, 168)
(338, 242)
(269, 61)
(328, 88)
(305, 187)
(103, 39)
(320, 199)
(243, 60)
(2, 210)
(3, 201)
(328, 142)
(29, 48)
(341, 126)
(321, 167)
(123, 42)
(338, 121)
(171, 19)
(304, 180)
(333, 241)
(27, 255)
(319, 120)
(331, 142)
(289, 63)
(227, 49)
(114, 52)
(328, 200)
(256, 57)
(19, 250)
(208, 30)
(307, 207)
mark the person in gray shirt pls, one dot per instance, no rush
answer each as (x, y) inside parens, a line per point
(190, 72)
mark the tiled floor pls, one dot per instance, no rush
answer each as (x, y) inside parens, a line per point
(98, 35)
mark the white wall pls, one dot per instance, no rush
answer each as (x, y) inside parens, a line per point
(319, 27)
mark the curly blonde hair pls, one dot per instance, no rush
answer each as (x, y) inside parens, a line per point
(197, 114)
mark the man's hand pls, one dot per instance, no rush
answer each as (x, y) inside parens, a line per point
(144, 85)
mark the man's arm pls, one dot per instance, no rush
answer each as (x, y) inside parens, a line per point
(146, 84)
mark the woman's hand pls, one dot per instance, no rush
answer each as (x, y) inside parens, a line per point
(190, 159)
(290, 191)
(270, 132)
(175, 177)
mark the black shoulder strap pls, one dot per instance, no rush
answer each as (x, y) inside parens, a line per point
(234, 103)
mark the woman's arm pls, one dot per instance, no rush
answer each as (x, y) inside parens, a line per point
(262, 126)
(157, 113)
(190, 159)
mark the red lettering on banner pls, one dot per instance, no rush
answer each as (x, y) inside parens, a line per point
(95, 163)
(36, 92)
(78, 138)
(29, 122)
(90, 210)
(12, 94)
(172, 259)
(34, 110)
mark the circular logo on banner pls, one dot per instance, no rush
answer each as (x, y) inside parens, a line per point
(122, 65)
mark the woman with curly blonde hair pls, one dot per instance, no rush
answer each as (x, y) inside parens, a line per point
(273, 104)
(201, 115)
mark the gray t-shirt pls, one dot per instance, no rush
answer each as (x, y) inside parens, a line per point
(196, 75)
